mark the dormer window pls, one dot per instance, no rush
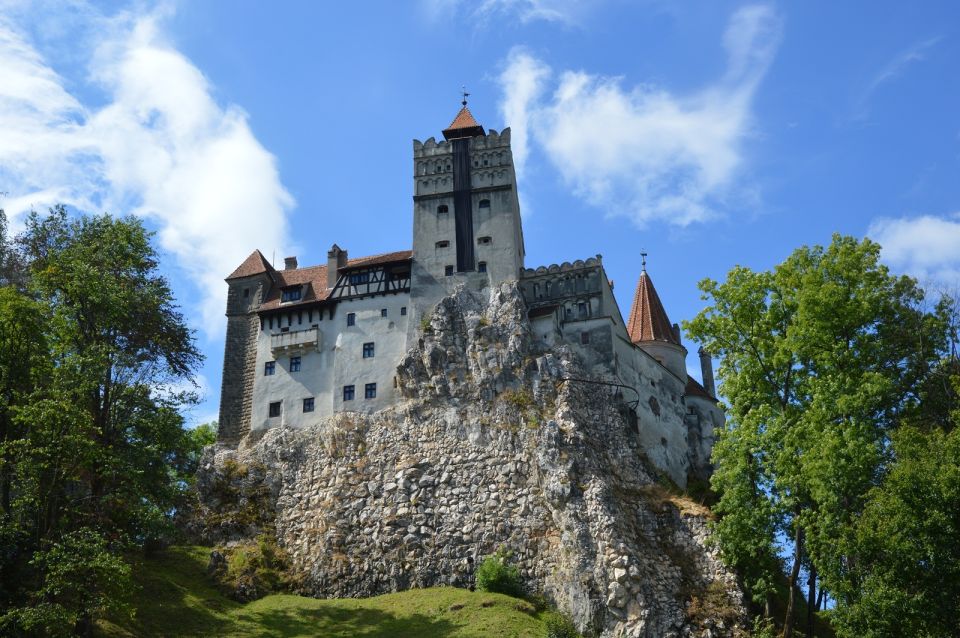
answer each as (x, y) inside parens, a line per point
(291, 293)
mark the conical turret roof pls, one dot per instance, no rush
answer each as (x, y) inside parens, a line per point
(648, 320)
(464, 125)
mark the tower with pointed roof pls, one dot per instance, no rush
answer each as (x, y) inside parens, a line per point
(650, 328)
(466, 212)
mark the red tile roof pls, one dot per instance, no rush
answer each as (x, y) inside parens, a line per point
(648, 320)
(464, 125)
(255, 264)
(315, 278)
(695, 389)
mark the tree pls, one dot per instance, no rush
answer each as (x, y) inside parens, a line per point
(907, 573)
(820, 359)
(93, 442)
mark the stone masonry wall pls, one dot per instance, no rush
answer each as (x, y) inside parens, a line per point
(490, 449)
(239, 361)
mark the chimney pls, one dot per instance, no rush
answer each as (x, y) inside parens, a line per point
(706, 369)
(676, 333)
(290, 263)
(336, 259)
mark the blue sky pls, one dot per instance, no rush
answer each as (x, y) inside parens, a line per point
(708, 133)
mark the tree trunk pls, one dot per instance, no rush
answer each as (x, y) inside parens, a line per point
(811, 598)
(792, 584)
(820, 599)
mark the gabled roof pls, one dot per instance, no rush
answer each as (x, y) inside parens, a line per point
(464, 125)
(696, 390)
(315, 278)
(648, 320)
(255, 264)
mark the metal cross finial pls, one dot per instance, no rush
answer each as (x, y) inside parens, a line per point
(643, 259)
(465, 95)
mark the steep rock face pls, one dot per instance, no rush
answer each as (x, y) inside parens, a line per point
(498, 444)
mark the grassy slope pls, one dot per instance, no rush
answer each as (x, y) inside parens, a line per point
(176, 599)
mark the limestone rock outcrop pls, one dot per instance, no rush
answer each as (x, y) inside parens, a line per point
(499, 443)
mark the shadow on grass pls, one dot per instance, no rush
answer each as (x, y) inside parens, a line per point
(334, 623)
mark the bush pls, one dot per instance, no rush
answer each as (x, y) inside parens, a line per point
(496, 575)
(559, 626)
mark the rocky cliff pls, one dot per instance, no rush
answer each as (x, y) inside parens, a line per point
(498, 444)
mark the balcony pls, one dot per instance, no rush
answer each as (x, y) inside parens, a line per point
(293, 342)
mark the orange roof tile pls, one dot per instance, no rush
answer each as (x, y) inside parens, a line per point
(648, 320)
(255, 264)
(464, 125)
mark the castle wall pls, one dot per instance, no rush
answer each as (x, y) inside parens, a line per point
(337, 361)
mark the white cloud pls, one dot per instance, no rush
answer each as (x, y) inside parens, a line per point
(891, 71)
(160, 147)
(561, 11)
(643, 152)
(927, 247)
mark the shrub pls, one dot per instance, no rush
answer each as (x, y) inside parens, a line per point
(496, 575)
(559, 626)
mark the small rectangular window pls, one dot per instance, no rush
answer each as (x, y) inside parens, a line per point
(368, 350)
(448, 270)
(274, 409)
(290, 294)
(584, 337)
(308, 404)
(582, 309)
(246, 292)
(442, 244)
(383, 312)
(484, 241)
(484, 203)
(348, 393)
(403, 311)
(269, 368)
(370, 391)
(482, 266)
(294, 364)
(351, 318)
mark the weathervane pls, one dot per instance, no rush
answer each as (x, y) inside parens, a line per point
(465, 95)
(643, 259)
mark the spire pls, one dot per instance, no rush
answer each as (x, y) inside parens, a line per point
(464, 125)
(648, 320)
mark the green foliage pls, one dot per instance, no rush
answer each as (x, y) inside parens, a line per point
(559, 626)
(821, 359)
(92, 445)
(254, 569)
(521, 399)
(82, 579)
(496, 574)
(907, 573)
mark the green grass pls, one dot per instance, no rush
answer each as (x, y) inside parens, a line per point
(175, 598)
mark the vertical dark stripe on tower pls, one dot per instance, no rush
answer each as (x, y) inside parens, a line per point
(462, 205)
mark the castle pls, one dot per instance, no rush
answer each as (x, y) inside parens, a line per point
(304, 343)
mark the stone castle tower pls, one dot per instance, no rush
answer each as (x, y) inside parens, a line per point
(466, 212)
